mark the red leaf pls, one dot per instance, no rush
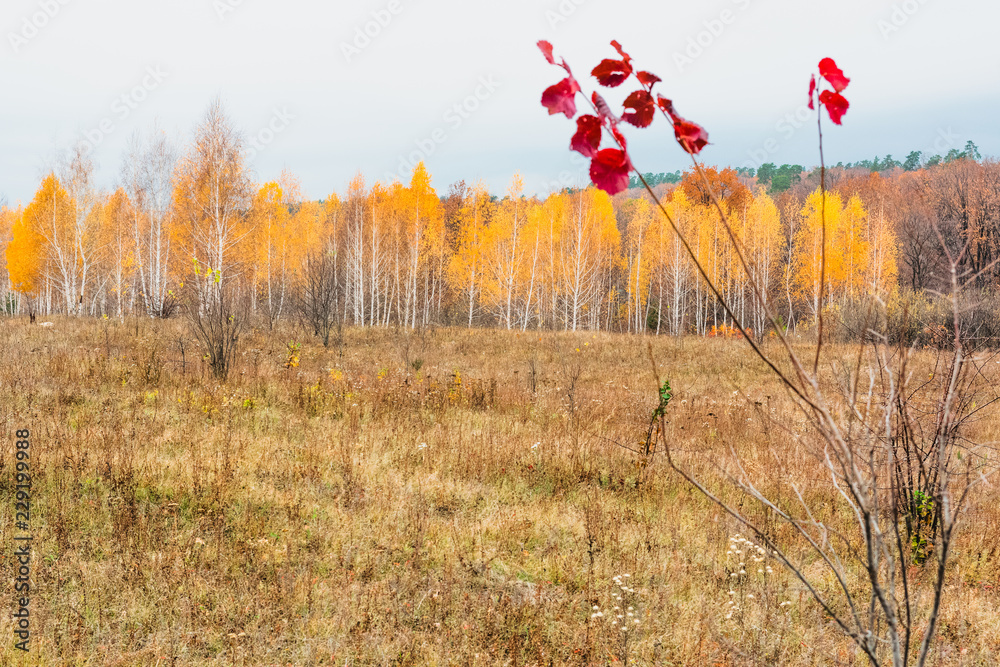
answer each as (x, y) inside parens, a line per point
(546, 48)
(603, 110)
(691, 136)
(647, 78)
(835, 103)
(668, 107)
(612, 73)
(829, 71)
(558, 98)
(609, 170)
(644, 107)
(588, 135)
(812, 90)
(618, 47)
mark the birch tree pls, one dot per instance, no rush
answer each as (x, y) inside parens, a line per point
(147, 177)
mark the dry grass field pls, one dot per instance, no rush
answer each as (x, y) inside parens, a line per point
(440, 497)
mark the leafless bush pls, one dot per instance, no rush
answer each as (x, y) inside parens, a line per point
(168, 308)
(217, 322)
(319, 296)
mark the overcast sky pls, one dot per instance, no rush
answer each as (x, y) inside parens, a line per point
(324, 99)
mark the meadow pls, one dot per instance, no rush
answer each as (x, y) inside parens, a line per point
(440, 496)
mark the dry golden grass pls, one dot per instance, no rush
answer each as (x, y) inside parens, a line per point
(356, 510)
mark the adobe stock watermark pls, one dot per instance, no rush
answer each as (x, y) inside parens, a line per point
(260, 140)
(784, 130)
(32, 25)
(454, 117)
(562, 12)
(714, 28)
(225, 7)
(122, 107)
(371, 29)
(900, 15)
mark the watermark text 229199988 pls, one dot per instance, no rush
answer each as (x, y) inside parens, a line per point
(22, 550)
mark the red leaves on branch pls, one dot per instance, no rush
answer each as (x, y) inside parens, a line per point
(828, 70)
(587, 137)
(835, 103)
(609, 170)
(559, 98)
(610, 167)
(644, 108)
(612, 73)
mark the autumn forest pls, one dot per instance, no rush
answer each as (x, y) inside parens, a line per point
(403, 253)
